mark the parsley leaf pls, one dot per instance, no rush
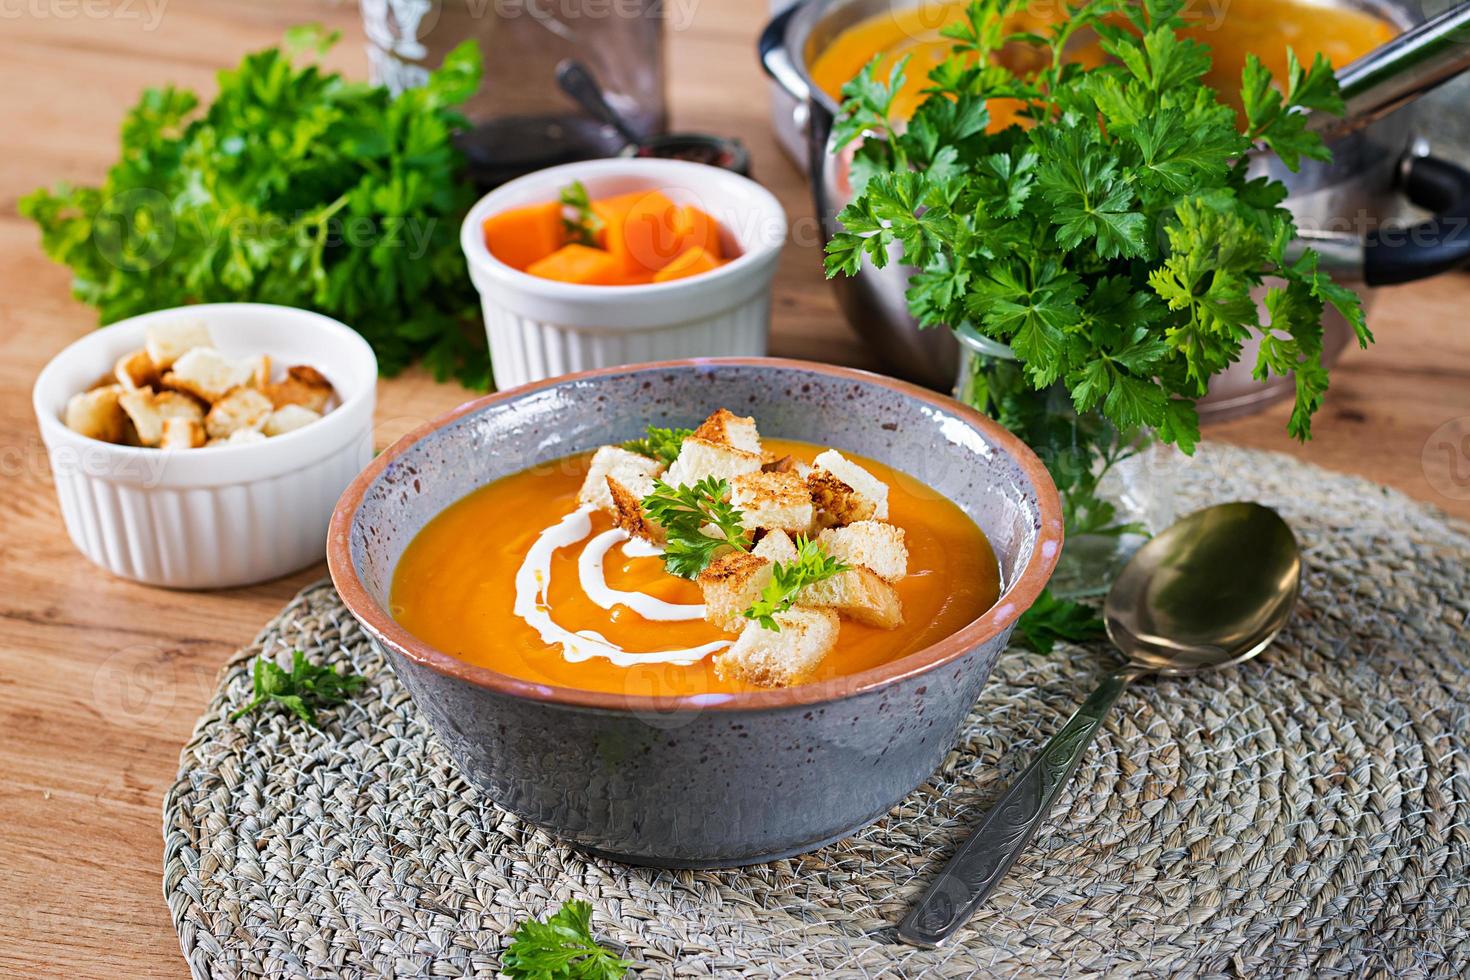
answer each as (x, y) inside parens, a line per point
(1271, 116)
(561, 948)
(1294, 344)
(578, 221)
(688, 515)
(293, 186)
(1092, 201)
(1114, 241)
(301, 690)
(660, 443)
(867, 102)
(812, 565)
(1050, 620)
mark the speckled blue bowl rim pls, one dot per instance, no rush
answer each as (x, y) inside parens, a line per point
(1018, 596)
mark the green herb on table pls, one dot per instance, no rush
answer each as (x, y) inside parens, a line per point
(687, 515)
(561, 948)
(812, 565)
(294, 186)
(660, 443)
(1050, 620)
(1113, 244)
(580, 224)
(302, 689)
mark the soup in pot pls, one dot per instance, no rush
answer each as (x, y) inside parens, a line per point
(1231, 28)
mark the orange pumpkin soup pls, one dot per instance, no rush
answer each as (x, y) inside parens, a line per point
(455, 587)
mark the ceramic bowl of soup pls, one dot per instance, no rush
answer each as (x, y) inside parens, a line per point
(665, 763)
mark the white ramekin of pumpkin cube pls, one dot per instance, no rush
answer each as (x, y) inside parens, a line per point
(205, 446)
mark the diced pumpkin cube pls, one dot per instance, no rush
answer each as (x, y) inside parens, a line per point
(650, 238)
(522, 236)
(698, 230)
(691, 263)
(614, 213)
(579, 264)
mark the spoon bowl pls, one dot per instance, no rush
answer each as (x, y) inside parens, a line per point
(1212, 591)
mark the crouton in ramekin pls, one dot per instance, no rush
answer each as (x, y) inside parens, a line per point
(168, 512)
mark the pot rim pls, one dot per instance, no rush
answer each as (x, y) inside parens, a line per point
(1015, 599)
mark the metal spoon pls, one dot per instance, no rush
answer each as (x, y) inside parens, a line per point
(576, 81)
(1210, 592)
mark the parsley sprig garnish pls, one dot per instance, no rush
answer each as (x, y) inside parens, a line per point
(300, 690)
(812, 565)
(660, 443)
(579, 222)
(686, 513)
(1114, 242)
(561, 948)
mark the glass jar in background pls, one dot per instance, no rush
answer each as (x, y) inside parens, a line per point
(521, 119)
(1116, 490)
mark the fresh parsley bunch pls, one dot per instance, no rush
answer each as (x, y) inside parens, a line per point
(295, 186)
(1114, 241)
(561, 948)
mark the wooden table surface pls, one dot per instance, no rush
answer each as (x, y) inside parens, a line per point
(101, 681)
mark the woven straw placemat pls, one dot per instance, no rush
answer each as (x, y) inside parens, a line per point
(1302, 815)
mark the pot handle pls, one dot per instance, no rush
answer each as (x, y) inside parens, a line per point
(1429, 247)
(776, 59)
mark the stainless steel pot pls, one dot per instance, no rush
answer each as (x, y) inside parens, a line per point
(1345, 209)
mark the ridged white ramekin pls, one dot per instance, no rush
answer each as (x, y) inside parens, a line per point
(539, 328)
(227, 515)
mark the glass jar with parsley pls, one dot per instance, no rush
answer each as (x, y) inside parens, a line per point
(1117, 489)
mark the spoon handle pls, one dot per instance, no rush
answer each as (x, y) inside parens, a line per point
(575, 80)
(983, 860)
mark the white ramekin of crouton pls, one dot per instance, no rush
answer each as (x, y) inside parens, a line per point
(204, 447)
